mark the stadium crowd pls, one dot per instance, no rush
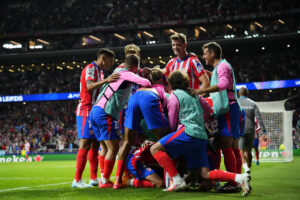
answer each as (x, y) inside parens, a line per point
(270, 65)
(67, 14)
(45, 125)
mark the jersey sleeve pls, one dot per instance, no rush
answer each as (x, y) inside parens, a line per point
(197, 67)
(173, 110)
(90, 73)
(224, 74)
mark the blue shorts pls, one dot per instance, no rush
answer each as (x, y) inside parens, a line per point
(122, 121)
(229, 123)
(255, 143)
(145, 105)
(137, 169)
(84, 128)
(104, 126)
(194, 149)
(242, 124)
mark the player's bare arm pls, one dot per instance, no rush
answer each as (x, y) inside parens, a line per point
(95, 85)
(204, 81)
(200, 91)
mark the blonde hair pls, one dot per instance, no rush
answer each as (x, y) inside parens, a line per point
(131, 49)
(156, 74)
(179, 36)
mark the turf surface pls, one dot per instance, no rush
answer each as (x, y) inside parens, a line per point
(52, 180)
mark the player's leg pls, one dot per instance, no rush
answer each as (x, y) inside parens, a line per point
(102, 152)
(84, 137)
(109, 134)
(132, 123)
(93, 160)
(109, 162)
(216, 175)
(174, 144)
(123, 154)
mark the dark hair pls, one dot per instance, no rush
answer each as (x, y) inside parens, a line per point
(179, 80)
(131, 60)
(215, 47)
(105, 52)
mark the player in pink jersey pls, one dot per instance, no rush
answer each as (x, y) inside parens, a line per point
(188, 63)
(90, 82)
(226, 108)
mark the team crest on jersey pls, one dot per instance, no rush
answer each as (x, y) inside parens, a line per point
(149, 169)
(90, 71)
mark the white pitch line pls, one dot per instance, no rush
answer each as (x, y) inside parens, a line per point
(23, 188)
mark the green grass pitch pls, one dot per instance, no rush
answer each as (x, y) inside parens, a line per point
(52, 180)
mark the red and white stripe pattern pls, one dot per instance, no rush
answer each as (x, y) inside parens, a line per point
(190, 65)
(90, 73)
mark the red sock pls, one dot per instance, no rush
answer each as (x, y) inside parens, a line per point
(80, 163)
(257, 155)
(101, 164)
(239, 161)
(220, 175)
(218, 159)
(229, 160)
(93, 160)
(27, 157)
(108, 167)
(120, 170)
(165, 161)
(142, 183)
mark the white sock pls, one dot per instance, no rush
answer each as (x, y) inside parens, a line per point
(102, 174)
(130, 181)
(177, 179)
(238, 178)
(104, 180)
(246, 168)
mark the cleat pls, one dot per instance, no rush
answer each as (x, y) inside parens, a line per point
(118, 186)
(109, 184)
(80, 184)
(246, 184)
(228, 188)
(257, 163)
(94, 182)
(176, 187)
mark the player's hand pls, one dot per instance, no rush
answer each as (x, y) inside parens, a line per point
(195, 92)
(113, 78)
(146, 143)
(265, 137)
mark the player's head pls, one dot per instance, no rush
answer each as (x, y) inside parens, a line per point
(178, 80)
(243, 92)
(211, 51)
(132, 49)
(156, 75)
(132, 63)
(179, 44)
(105, 58)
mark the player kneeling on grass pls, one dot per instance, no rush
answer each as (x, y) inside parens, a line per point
(189, 139)
(138, 164)
(147, 104)
(105, 113)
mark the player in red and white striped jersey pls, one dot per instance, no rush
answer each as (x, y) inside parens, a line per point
(188, 63)
(90, 83)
